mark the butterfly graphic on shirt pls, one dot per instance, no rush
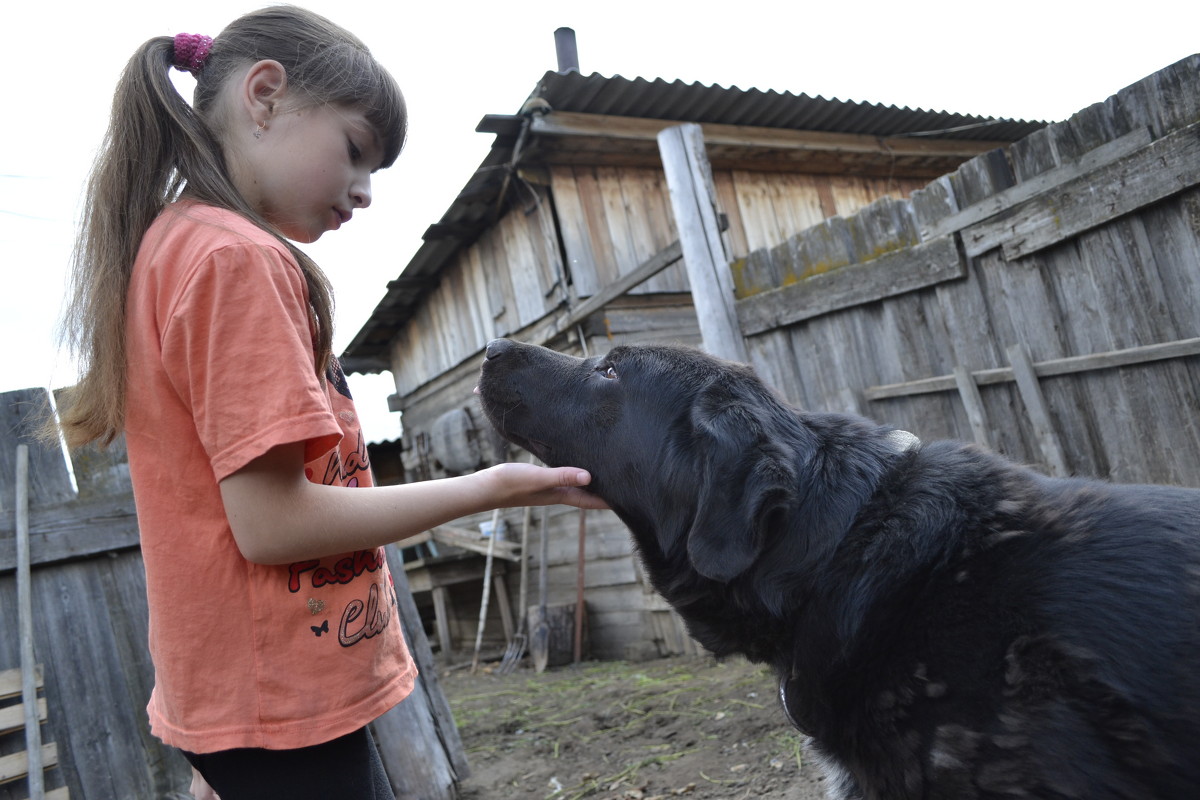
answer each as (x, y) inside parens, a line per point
(319, 629)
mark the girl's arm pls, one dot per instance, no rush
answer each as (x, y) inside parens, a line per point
(278, 516)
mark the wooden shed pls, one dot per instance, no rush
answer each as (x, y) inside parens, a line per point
(565, 236)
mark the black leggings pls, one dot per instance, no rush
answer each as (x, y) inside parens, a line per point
(343, 769)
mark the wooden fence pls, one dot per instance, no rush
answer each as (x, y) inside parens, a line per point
(90, 634)
(1042, 300)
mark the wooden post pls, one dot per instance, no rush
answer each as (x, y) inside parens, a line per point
(33, 732)
(579, 587)
(487, 589)
(693, 200)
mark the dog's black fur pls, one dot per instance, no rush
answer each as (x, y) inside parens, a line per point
(945, 623)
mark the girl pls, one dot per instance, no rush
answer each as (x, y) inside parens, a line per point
(205, 336)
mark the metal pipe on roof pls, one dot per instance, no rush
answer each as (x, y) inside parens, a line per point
(568, 53)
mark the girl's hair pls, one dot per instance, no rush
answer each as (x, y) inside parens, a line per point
(158, 146)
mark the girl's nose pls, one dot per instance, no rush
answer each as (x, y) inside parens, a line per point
(360, 192)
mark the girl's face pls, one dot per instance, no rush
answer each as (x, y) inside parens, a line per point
(310, 169)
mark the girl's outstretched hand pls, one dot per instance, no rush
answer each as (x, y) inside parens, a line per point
(517, 484)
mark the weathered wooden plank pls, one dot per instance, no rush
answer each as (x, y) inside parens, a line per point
(1165, 100)
(617, 220)
(418, 743)
(474, 541)
(693, 200)
(12, 718)
(544, 243)
(1159, 170)
(989, 317)
(573, 230)
(31, 723)
(591, 198)
(753, 204)
(16, 765)
(649, 268)
(1134, 307)
(10, 681)
(885, 226)
(563, 123)
(1080, 321)
(797, 203)
(1034, 155)
(101, 470)
(475, 299)
(639, 188)
(727, 201)
(1039, 413)
(891, 274)
(521, 263)
(932, 203)
(94, 714)
(1042, 182)
(122, 577)
(850, 193)
(21, 414)
(1044, 369)
(982, 176)
(457, 296)
(968, 392)
(499, 284)
(61, 793)
(73, 530)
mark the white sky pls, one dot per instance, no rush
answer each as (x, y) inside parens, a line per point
(458, 61)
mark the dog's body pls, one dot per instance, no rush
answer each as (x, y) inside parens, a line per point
(944, 623)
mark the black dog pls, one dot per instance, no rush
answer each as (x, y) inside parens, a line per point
(944, 623)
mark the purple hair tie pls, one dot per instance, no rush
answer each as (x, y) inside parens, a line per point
(191, 51)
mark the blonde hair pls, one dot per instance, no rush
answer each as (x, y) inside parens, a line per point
(158, 146)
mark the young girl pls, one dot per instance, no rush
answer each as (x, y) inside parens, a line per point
(204, 335)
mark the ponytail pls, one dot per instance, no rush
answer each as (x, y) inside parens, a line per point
(156, 146)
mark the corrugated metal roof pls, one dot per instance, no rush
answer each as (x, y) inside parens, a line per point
(694, 102)
(472, 211)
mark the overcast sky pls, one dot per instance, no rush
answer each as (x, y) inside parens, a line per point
(458, 61)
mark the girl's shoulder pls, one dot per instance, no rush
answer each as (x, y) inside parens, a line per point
(191, 241)
(215, 227)
(187, 235)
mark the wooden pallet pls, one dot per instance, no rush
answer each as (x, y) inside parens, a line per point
(12, 720)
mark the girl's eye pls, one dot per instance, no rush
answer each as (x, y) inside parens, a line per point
(355, 153)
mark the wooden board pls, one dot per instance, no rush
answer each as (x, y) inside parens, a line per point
(16, 765)
(887, 276)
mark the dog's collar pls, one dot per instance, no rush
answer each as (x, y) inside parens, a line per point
(902, 441)
(787, 711)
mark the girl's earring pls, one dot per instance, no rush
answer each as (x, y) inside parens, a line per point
(259, 131)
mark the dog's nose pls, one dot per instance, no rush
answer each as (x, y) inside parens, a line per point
(498, 347)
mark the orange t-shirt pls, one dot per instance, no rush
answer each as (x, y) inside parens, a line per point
(220, 370)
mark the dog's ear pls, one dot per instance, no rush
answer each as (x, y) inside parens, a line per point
(747, 479)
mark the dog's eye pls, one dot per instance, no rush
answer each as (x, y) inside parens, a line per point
(610, 373)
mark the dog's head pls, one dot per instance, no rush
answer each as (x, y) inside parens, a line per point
(683, 446)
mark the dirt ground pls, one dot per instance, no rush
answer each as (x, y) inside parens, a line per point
(676, 727)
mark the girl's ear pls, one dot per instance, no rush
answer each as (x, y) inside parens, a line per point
(262, 89)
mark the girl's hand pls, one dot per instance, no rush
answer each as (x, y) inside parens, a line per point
(200, 788)
(516, 484)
